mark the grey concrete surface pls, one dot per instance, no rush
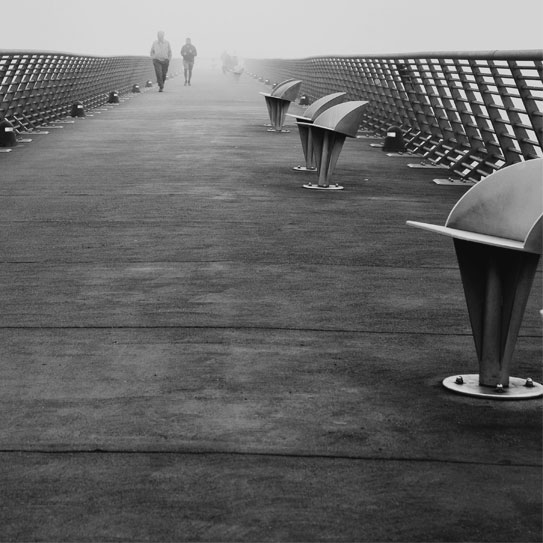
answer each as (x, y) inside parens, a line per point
(195, 348)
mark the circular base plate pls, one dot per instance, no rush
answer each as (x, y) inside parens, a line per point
(517, 389)
(318, 187)
(282, 131)
(304, 169)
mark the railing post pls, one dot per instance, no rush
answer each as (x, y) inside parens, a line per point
(510, 109)
(526, 96)
(462, 122)
(492, 113)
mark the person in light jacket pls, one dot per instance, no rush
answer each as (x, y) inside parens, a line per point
(161, 53)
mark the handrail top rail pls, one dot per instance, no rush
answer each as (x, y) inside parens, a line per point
(511, 54)
(497, 54)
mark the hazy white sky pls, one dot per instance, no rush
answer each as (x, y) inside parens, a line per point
(272, 28)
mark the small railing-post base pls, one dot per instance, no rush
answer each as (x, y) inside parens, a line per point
(78, 110)
(8, 137)
(518, 388)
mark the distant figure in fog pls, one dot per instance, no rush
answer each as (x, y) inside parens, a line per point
(188, 52)
(161, 53)
(229, 63)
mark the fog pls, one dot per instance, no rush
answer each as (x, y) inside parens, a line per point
(271, 29)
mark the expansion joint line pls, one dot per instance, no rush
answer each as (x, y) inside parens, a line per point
(285, 455)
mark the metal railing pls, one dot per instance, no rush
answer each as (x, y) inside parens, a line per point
(37, 87)
(473, 112)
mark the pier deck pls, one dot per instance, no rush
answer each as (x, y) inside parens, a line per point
(195, 348)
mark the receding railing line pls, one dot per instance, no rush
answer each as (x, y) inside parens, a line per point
(473, 112)
(37, 87)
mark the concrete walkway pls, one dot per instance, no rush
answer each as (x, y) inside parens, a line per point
(195, 348)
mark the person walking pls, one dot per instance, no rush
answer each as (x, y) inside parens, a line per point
(188, 52)
(161, 53)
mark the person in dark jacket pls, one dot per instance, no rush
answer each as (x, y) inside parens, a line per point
(188, 52)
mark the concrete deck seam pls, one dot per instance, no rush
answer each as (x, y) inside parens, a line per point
(259, 263)
(100, 451)
(262, 328)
